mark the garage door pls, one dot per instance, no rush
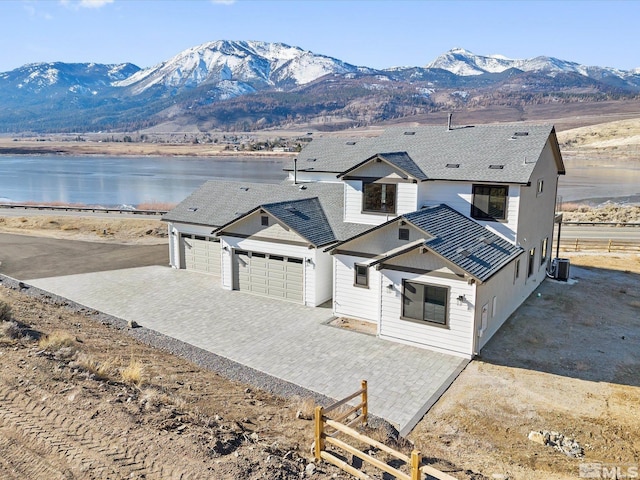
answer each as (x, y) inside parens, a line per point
(201, 254)
(270, 275)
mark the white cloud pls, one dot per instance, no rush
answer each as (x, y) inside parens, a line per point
(30, 8)
(85, 3)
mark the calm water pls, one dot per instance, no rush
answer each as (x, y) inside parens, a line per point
(113, 181)
(110, 181)
(619, 183)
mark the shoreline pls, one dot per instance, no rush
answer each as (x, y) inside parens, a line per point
(123, 149)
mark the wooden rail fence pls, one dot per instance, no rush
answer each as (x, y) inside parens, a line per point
(601, 245)
(327, 429)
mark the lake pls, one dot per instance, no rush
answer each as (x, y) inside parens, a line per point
(113, 181)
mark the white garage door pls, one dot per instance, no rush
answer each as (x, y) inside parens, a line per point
(269, 275)
(201, 254)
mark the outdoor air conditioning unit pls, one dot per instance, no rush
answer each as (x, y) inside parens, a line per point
(560, 269)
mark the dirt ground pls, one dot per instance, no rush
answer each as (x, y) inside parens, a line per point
(95, 403)
(567, 361)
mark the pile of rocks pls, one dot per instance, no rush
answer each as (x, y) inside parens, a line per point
(563, 444)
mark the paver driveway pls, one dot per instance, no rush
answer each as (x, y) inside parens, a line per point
(282, 339)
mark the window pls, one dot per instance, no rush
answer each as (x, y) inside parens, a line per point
(361, 276)
(264, 220)
(532, 256)
(489, 202)
(543, 250)
(540, 187)
(379, 197)
(517, 271)
(403, 234)
(425, 303)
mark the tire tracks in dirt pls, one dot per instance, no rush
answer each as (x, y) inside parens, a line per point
(38, 440)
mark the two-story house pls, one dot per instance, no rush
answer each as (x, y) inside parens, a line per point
(434, 234)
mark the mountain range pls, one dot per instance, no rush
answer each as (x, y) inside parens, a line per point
(245, 85)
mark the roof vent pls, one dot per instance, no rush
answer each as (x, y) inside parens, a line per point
(193, 209)
(302, 187)
(311, 159)
(463, 252)
(496, 167)
(409, 133)
(453, 165)
(521, 134)
(486, 240)
(246, 189)
(351, 143)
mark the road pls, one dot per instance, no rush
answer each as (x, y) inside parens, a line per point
(569, 232)
(587, 232)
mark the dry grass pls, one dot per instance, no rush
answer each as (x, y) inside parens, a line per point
(153, 205)
(575, 212)
(120, 230)
(306, 408)
(100, 370)
(6, 313)
(10, 331)
(132, 373)
(56, 341)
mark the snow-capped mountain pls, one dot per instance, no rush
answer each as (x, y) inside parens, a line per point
(465, 63)
(242, 65)
(38, 78)
(251, 84)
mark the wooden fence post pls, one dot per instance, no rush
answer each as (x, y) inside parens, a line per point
(609, 247)
(416, 459)
(576, 244)
(319, 431)
(365, 405)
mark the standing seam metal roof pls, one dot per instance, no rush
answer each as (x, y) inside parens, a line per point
(464, 242)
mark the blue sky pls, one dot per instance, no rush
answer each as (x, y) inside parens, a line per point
(375, 33)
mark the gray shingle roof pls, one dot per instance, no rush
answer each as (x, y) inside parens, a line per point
(431, 148)
(400, 159)
(216, 203)
(464, 242)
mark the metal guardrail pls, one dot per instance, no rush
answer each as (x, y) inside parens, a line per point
(83, 209)
(604, 224)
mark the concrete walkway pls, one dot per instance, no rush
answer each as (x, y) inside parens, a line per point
(282, 339)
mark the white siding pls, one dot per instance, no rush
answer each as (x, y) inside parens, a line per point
(252, 225)
(406, 201)
(378, 170)
(459, 196)
(302, 177)
(509, 291)
(537, 211)
(456, 338)
(383, 240)
(322, 264)
(350, 300)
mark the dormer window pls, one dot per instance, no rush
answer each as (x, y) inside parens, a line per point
(378, 197)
